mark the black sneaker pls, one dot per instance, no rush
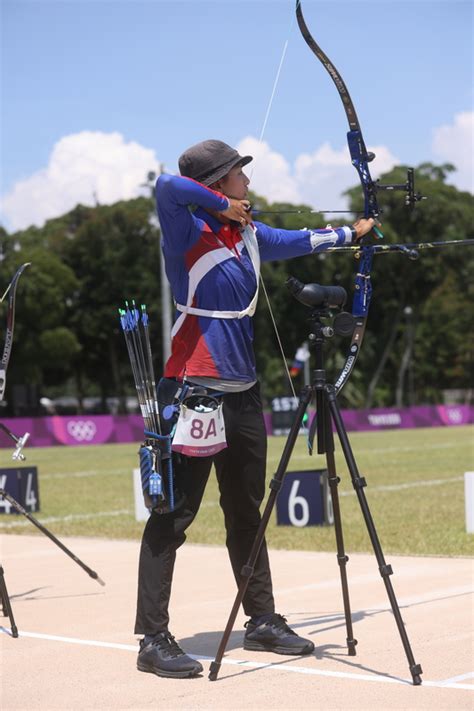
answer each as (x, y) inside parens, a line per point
(274, 635)
(163, 656)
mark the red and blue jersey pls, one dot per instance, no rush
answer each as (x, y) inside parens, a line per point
(212, 268)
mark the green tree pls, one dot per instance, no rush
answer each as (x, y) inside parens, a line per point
(88, 261)
(44, 344)
(400, 283)
(114, 252)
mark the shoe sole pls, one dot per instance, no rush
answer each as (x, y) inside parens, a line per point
(259, 647)
(172, 675)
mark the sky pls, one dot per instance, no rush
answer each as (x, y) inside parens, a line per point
(96, 93)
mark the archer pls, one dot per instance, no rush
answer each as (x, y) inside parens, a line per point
(212, 257)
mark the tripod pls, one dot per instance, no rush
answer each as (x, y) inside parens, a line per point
(6, 605)
(4, 598)
(327, 412)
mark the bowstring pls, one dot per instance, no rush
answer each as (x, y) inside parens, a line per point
(6, 292)
(260, 141)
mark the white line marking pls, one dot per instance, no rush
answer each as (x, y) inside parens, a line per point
(209, 504)
(73, 640)
(382, 487)
(91, 472)
(409, 448)
(432, 596)
(447, 684)
(382, 450)
(460, 677)
(407, 485)
(70, 517)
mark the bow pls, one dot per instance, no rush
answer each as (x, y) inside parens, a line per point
(360, 159)
(7, 349)
(410, 249)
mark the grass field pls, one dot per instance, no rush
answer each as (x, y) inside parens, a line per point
(415, 491)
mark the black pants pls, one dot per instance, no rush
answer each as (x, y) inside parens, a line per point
(240, 472)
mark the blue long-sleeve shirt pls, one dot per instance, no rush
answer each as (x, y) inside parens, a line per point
(210, 270)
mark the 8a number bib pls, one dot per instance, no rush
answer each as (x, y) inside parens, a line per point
(199, 434)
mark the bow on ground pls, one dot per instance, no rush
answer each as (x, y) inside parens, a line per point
(360, 159)
(7, 349)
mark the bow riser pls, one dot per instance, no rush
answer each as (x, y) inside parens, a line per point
(360, 308)
(360, 158)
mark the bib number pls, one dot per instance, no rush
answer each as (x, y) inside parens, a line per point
(199, 434)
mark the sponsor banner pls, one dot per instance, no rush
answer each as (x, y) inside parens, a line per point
(406, 418)
(455, 414)
(80, 430)
(74, 430)
(381, 418)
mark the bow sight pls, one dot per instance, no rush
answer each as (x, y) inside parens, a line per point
(360, 159)
(411, 197)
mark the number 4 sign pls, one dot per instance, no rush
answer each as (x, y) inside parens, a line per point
(304, 499)
(22, 485)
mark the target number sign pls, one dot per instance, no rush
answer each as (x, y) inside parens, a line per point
(22, 485)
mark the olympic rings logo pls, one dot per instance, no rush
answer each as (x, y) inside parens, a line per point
(82, 430)
(455, 415)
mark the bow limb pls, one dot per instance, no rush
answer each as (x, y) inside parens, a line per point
(7, 349)
(360, 156)
(360, 159)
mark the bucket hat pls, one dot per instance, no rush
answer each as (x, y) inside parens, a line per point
(208, 161)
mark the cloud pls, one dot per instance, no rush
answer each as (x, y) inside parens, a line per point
(317, 179)
(87, 168)
(454, 143)
(270, 172)
(322, 176)
(92, 166)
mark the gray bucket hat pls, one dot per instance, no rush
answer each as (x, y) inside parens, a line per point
(208, 161)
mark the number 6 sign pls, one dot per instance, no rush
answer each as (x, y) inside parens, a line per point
(304, 499)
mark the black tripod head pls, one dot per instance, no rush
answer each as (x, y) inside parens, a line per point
(316, 296)
(321, 299)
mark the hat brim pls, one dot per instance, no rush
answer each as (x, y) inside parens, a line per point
(222, 171)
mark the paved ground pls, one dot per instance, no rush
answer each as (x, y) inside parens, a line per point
(76, 649)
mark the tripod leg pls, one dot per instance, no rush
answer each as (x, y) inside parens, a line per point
(326, 446)
(6, 606)
(248, 569)
(342, 558)
(44, 530)
(385, 570)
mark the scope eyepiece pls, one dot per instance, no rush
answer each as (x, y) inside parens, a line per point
(315, 295)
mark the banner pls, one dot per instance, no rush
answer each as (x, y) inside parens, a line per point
(81, 430)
